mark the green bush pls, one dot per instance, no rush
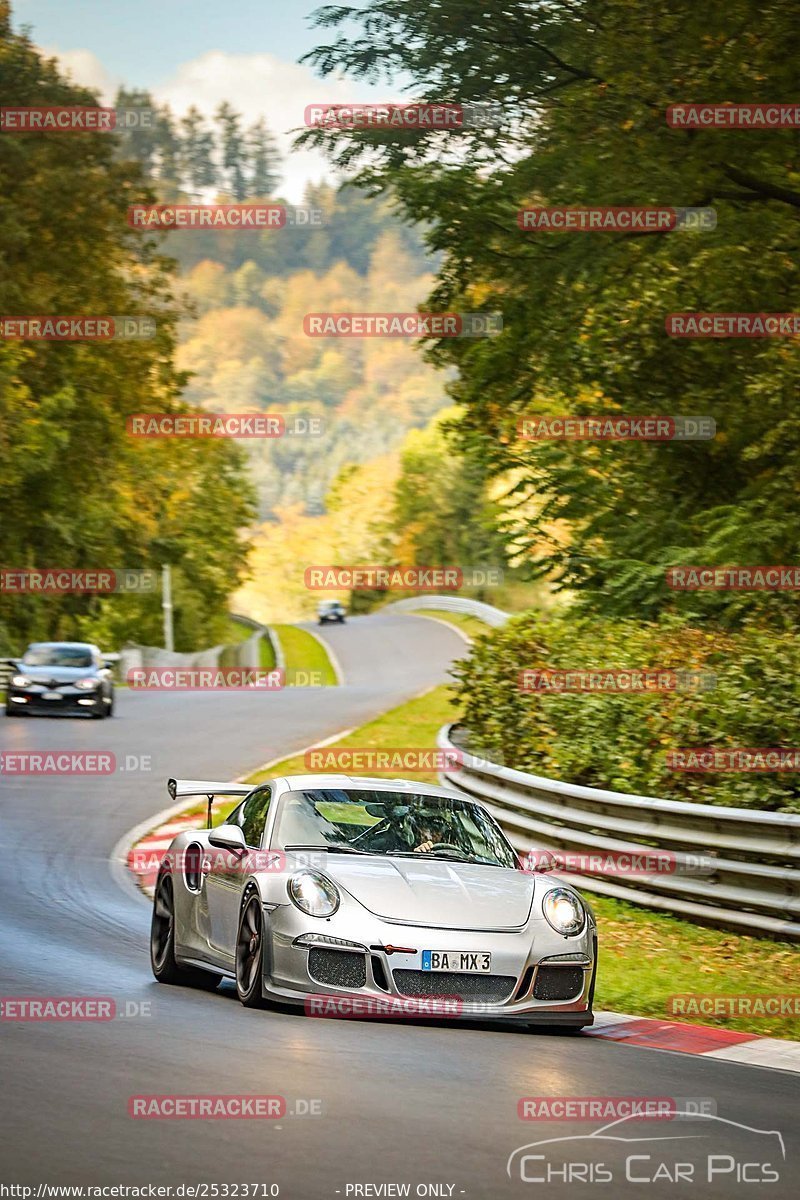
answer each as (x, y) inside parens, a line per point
(620, 741)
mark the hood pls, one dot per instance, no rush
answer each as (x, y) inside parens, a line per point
(57, 674)
(434, 892)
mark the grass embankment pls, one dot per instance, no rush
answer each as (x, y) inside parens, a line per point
(307, 661)
(236, 631)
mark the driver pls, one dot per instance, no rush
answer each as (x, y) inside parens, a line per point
(430, 832)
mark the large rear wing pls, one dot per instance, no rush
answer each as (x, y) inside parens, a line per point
(180, 789)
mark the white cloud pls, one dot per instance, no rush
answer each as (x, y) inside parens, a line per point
(86, 70)
(262, 85)
(257, 85)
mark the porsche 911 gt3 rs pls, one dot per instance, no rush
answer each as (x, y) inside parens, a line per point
(383, 889)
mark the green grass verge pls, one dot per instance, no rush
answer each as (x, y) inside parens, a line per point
(235, 632)
(471, 626)
(307, 661)
(645, 958)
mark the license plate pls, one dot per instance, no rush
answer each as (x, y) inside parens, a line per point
(51, 695)
(456, 960)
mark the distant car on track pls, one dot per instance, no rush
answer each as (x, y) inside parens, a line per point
(330, 610)
(338, 885)
(70, 678)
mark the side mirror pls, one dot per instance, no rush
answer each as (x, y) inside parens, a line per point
(228, 837)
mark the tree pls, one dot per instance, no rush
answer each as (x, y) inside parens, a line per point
(78, 491)
(233, 150)
(197, 152)
(264, 160)
(443, 514)
(581, 91)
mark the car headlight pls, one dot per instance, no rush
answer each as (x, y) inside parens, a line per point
(313, 894)
(563, 910)
(20, 681)
(87, 684)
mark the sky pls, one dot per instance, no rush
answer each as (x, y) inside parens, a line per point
(201, 52)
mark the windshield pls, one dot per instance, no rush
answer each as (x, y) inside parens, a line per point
(57, 656)
(393, 823)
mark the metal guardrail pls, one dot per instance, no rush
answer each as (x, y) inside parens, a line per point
(732, 867)
(237, 654)
(455, 604)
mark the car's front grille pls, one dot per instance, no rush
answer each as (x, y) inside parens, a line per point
(337, 968)
(487, 989)
(558, 983)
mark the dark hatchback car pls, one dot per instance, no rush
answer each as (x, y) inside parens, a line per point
(330, 610)
(71, 678)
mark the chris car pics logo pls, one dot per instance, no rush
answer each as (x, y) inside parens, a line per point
(696, 1148)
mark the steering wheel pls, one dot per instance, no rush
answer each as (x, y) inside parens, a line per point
(445, 846)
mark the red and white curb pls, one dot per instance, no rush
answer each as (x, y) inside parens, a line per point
(731, 1045)
(144, 857)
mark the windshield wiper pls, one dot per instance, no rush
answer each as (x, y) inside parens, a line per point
(334, 847)
(422, 854)
(446, 854)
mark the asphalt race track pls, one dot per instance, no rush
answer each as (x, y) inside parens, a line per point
(400, 1102)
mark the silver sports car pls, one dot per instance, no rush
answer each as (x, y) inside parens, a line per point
(321, 889)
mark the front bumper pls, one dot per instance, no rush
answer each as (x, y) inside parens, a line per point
(71, 701)
(520, 958)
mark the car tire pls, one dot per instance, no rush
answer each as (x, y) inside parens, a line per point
(250, 952)
(13, 712)
(164, 965)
